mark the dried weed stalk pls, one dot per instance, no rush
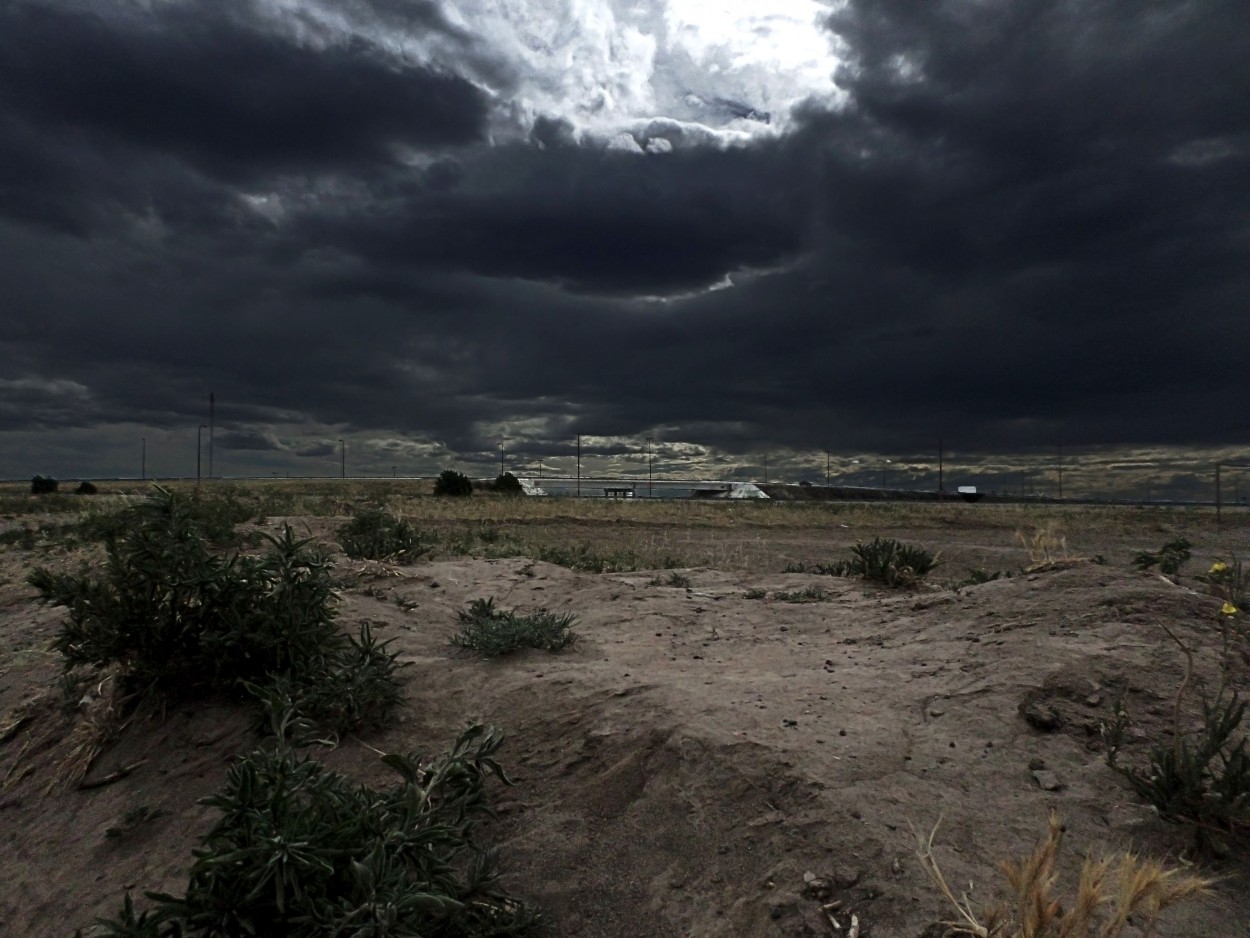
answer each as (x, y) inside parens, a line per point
(1109, 892)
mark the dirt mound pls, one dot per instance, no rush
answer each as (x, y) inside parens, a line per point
(709, 759)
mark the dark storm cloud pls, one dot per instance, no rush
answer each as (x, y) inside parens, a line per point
(230, 97)
(593, 220)
(1027, 224)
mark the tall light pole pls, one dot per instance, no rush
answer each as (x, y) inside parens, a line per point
(212, 416)
(649, 464)
(199, 447)
(342, 460)
(885, 465)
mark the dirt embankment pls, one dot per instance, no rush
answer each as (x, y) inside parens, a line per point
(700, 762)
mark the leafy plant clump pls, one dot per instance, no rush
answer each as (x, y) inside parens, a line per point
(303, 851)
(1169, 558)
(1202, 775)
(891, 563)
(494, 632)
(377, 535)
(181, 619)
(453, 483)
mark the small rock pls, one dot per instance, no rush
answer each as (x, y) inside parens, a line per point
(1093, 700)
(789, 722)
(936, 711)
(1040, 717)
(809, 877)
(846, 877)
(1036, 763)
(1047, 780)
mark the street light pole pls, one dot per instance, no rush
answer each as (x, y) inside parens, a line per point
(199, 447)
(649, 464)
(342, 460)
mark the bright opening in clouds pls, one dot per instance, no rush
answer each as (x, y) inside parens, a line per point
(735, 68)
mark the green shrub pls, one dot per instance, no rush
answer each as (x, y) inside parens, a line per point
(1170, 557)
(40, 485)
(810, 594)
(508, 484)
(303, 851)
(376, 535)
(453, 483)
(1202, 775)
(181, 619)
(886, 561)
(494, 632)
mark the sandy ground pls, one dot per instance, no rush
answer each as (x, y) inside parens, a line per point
(696, 758)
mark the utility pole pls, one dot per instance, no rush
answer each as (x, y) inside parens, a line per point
(649, 464)
(212, 414)
(342, 460)
(199, 448)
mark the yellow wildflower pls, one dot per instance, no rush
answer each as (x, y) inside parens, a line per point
(1218, 567)
(1228, 609)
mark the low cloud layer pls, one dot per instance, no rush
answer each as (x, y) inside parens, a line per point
(411, 228)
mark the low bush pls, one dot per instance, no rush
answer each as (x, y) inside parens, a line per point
(41, 485)
(508, 484)
(303, 851)
(886, 561)
(453, 483)
(86, 488)
(1201, 775)
(376, 535)
(493, 632)
(181, 619)
(1169, 558)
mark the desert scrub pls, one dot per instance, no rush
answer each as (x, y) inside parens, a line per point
(451, 482)
(1112, 893)
(1169, 558)
(882, 560)
(304, 851)
(182, 619)
(377, 535)
(1201, 776)
(494, 632)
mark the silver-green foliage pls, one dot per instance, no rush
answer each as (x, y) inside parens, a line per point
(181, 618)
(377, 535)
(493, 632)
(303, 851)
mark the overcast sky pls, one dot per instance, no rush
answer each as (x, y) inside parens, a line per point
(428, 226)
